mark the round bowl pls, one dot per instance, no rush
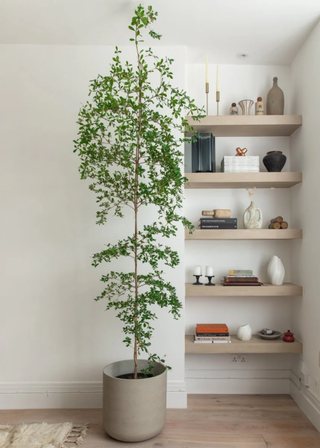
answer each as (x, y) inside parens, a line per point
(275, 335)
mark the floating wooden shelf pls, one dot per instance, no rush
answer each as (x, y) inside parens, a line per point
(248, 125)
(244, 234)
(255, 345)
(242, 180)
(266, 290)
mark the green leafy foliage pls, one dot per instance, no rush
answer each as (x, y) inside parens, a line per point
(129, 140)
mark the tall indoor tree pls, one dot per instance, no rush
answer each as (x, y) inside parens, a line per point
(129, 142)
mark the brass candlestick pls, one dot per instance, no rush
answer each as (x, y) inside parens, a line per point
(207, 92)
(217, 100)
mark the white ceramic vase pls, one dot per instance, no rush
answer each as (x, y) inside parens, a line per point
(244, 332)
(250, 219)
(275, 271)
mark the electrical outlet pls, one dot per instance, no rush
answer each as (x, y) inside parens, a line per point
(316, 384)
(238, 359)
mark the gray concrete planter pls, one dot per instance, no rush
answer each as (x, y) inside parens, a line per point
(134, 410)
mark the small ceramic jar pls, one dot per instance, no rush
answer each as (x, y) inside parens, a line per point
(288, 336)
(259, 106)
(234, 109)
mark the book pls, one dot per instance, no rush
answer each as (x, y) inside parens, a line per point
(211, 342)
(241, 279)
(218, 220)
(212, 338)
(212, 335)
(223, 225)
(212, 326)
(240, 276)
(242, 283)
(202, 342)
(240, 272)
(215, 329)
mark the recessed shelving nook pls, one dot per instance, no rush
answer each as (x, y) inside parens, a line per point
(240, 126)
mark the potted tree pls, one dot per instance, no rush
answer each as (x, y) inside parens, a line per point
(129, 141)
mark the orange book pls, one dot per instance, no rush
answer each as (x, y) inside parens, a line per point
(212, 328)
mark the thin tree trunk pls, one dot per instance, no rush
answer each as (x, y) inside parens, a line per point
(135, 353)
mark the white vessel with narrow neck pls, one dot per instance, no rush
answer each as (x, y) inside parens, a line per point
(250, 218)
(275, 271)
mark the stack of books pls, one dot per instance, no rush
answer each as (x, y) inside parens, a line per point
(212, 334)
(241, 278)
(236, 164)
(218, 223)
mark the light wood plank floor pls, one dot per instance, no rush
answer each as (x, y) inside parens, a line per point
(215, 421)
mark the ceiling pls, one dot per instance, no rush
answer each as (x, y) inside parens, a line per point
(269, 31)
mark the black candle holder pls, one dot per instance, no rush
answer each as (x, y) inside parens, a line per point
(209, 280)
(197, 282)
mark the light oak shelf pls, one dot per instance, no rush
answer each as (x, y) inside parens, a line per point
(266, 290)
(247, 125)
(244, 234)
(242, 180)
(255, 345)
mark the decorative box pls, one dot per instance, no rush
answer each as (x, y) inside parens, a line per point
(236, 164)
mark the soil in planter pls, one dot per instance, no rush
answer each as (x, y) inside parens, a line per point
(130, 376)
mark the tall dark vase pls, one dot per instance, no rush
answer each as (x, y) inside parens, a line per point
(274, 161)
(203, 154)
(275, 99)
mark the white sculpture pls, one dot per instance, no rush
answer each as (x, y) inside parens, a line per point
(244, 332)
(250, 220)
(275, 271)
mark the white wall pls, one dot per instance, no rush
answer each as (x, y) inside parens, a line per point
(54, 339)
(305, 156)
(260, 374)
(53, 336)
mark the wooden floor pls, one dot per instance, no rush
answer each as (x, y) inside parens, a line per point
(219, 421)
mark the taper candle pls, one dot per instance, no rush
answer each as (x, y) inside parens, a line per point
(207, 71)
(217, 80)
(197, 270)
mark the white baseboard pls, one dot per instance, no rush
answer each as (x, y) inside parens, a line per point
(51, 395)
(71, 395)
(176, 395)
(272, 381)
(307, 401)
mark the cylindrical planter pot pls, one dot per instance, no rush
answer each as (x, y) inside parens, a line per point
(134, 410)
